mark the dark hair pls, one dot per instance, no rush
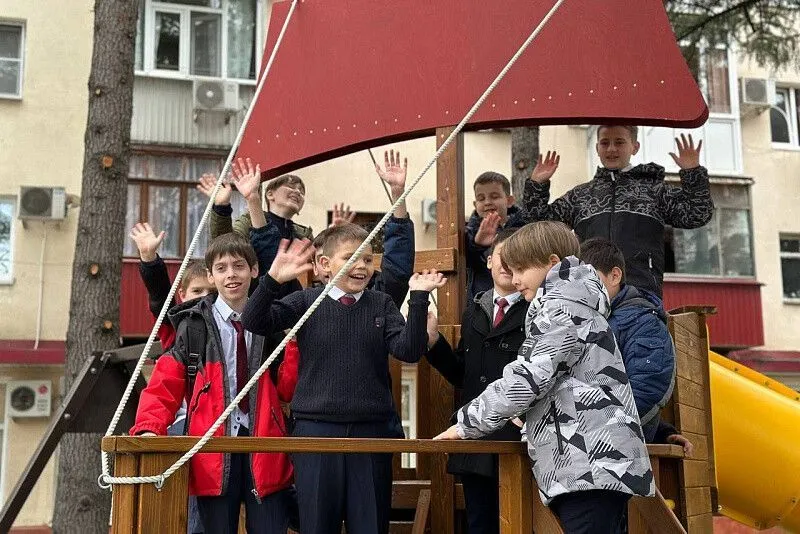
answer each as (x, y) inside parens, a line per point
(533, 244)
(501, 236)
(336, 235)
(195, 269)
(231, 244)
(491, 177)
(633, 130)
(603, 255)
(286, 179)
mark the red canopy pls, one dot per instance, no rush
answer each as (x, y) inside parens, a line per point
(359, 73)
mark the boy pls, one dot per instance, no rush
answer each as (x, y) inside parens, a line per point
(581, 424)
(222, 482)
(629, 205)
(343, 385)
(492, 331)
(640, 327)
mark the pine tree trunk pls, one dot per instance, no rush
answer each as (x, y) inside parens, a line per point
(524, 153)
(81, 507)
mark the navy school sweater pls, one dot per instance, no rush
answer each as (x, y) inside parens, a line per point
(343, 373)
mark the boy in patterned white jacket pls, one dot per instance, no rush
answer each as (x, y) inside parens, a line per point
(569, 380)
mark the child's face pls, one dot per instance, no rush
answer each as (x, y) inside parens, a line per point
(287, 199)
(359, 275)
(528, 280)
(500, 276)
(612, 281)
(615, 147)
(199, 286)
(231, 277)
(491, 198)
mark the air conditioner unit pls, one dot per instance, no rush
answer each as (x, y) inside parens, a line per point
(215, 95)
(42, 203)
(757, 92)
(29, 398)
(429, 211)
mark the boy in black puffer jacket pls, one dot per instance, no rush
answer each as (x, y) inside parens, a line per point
(492, 331)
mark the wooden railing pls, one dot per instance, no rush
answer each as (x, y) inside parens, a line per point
(141, 509)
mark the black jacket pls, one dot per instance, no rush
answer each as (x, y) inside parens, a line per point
(631, 209)
(478, 361)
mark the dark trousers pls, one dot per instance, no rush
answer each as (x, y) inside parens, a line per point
(354, 488)
(592, 512)
(220, 515)
(482, 500)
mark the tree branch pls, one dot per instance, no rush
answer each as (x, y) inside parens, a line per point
(708, 20)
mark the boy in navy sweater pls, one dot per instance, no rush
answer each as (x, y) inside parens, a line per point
(343, 387)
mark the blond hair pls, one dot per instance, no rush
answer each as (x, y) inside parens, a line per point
(632, 130)
(533, 244)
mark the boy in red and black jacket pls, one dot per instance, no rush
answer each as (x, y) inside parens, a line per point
(232, 354)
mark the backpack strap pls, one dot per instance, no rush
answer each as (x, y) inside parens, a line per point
(195, 348)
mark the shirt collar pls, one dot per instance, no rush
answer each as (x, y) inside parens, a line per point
(336, 293)
(510, 299)
(226, 312)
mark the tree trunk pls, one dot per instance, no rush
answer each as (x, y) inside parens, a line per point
(81, 507)
(524, 153)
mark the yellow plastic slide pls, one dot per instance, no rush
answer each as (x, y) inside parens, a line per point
(757, 445)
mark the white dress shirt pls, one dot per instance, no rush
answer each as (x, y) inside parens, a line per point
(510, 301)
(223, 315)
(336, 293)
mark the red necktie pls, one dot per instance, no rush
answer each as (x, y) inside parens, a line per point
(241, 365)
(347, 300)
(501, 311)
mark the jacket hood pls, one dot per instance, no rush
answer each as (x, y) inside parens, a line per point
(179, 312)
(576, 282)
(644, 171)
(631, 298)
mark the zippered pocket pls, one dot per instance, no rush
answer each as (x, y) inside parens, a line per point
(200, 393)
(554, 416)
(281, 426)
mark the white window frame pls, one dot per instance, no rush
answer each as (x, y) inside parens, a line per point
(20, 59)
(184, 60)
(788, 255)
(9, 278)
(409, 377)
(794, 134)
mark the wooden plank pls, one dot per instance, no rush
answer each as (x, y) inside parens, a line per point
(698, 501)
(544, 520)
(421, 516)
(670, 485)
(700, 524)
(516, 495)
(663, 450)
(125, 500)
(138, 444)
(690, 394)
(444, 260)
(405, 494)
(691, 420)
(451, 301)
(696, 473)
(163, 511)
(398, 527)
(690, 369)
(396, 376)
(700, 443)
(655, 515)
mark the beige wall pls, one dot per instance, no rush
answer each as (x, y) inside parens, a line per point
(41, 143)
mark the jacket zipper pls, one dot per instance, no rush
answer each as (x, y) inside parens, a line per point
(204, 389)
(558, 426)
(277, 421)
(613, 207)
(253, 418)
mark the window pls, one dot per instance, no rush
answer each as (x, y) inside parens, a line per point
(710, 68)
(6, 240)
(161, 191)
(408, 411)
(721, 248)
(11, 51)
(211, 38)
(784, 116)
(790, 267)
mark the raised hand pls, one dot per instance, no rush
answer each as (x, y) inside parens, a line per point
(342, 215)
(545, 167)
(487, 230)
(433, 329)
(688, 156)
(393, 174)
(293, 259)
(147, 242)
(206, 186)
(426, 281)
(450, 433)
(247, 178)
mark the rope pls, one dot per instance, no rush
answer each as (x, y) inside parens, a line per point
(105, 479)
(158, 480)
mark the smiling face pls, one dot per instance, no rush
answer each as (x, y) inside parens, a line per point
(287, 200)
(529, 280)
(231, 276)
(615, 146)
(491, 198)
(359, 275)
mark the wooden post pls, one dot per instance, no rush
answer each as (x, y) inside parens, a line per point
(126, 497)
(163, 511)
(516, 496)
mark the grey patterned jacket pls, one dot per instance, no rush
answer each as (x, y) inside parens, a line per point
(569, 380)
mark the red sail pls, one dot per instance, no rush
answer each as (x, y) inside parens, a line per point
(358, 73)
